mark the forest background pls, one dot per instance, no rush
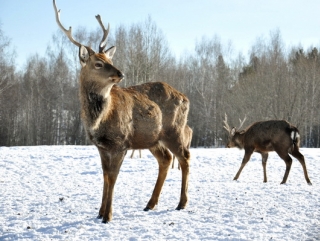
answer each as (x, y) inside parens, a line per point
(39, 103)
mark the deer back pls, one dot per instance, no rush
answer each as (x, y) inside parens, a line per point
(264, 136)
(173, 104)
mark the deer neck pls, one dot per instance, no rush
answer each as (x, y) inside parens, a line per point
(239, 140)
(95, 101)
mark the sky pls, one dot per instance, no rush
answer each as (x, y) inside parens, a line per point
(30, 24)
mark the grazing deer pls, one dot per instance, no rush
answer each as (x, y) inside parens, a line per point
(265, 136)
(149, 116)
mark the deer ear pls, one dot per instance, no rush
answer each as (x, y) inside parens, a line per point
(233, 131)
(83, 55)
(110, 52)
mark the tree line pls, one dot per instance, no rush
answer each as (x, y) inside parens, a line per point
(39, 103)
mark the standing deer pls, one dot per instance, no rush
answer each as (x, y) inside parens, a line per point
(149, 116)
(265, 136)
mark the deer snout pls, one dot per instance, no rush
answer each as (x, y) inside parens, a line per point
(120, 74)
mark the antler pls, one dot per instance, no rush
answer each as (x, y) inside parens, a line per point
(242, 122)
(227, 127)
(67, 32)
(103, 42)
(225, 122)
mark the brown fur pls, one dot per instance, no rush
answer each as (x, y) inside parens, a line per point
(149, 116)
(188, 137)
(266, 136)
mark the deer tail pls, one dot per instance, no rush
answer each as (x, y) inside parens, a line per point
(295, 137)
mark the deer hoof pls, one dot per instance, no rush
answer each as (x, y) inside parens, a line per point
(309, 183)
(146, 209)
(104, 221)
(179, 208)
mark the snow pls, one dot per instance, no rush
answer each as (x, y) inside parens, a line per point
(54, 193)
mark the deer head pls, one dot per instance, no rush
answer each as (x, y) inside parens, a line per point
(234, 138)
(96, 65)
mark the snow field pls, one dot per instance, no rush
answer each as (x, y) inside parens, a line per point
(54, 193)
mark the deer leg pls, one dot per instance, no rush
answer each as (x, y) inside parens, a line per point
(288, 167)
(179, 145)
(164, 158)
(300, 158)
(184, 165)
(132, 154)
(173, 162)
(183, 155)
(245, 160)
(184, 162)
(111, 166)
(287, 159)
(264, 165)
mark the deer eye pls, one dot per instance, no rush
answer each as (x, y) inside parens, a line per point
(98, 65)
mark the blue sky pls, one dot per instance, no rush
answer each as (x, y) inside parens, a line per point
(30, 24)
